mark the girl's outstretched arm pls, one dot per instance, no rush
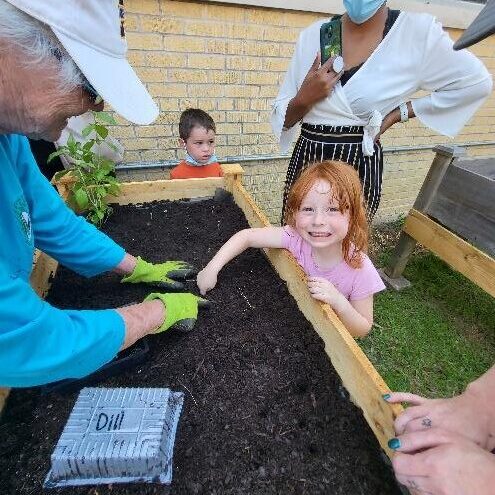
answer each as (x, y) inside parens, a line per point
(265, 237)
(357, 316)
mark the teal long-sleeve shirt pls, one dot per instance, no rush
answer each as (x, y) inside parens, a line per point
(38, 342)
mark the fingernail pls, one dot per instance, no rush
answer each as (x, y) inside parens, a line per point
(386, 396)
(394, 443)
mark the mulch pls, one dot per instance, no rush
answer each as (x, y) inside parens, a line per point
(264, 411)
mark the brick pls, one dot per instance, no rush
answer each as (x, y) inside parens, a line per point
(281, 34)
(188, 75)
(269, 91)
(244, 63)
(138, 144)
(131, 156)
(265, 16)
(153, 131)
(234, 47)
(168, 90)
(163, 59)
(224, 77)
(226, 151)
(206, 61)
(131, 23)
(260, 149)
(260, 104)
(167, 118)
(242, 91)
(242, 104)
(215, 91)
(208, 104)
(144, 41)
(119, 131)
(136, 58)
(262, 78)
(248, 32)
(224, 128)
(212, 29)
(267, 139)
(300, 19)
(218, 116)
(226, 13)
(165, 25)
(150, 74)
(157, 155)
(188, 10)
(248, 139)
(262, 49)
(276, 64)
(185, 103)
(220, 140)
(225, 104)
(241, 117)
(142, 6)
(185, 44)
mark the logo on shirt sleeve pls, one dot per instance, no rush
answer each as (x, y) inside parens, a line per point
(24, 218)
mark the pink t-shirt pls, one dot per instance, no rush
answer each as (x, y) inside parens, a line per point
(353, 283)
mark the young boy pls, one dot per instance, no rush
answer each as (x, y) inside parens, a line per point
(197, 137)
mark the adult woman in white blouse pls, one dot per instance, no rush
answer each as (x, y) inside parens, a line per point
(388, 56)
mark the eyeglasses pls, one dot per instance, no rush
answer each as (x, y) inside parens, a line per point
(93, 95)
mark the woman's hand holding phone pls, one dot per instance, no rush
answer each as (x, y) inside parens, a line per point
(318, 83)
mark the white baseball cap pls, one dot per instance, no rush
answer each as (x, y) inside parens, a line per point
(90, 31)
(482, 27)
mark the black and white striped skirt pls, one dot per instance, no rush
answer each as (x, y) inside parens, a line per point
(323, 142)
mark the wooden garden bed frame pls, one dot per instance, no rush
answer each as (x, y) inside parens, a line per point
(358, 375)
(462, 256)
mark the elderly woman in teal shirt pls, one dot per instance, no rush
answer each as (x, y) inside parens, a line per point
(56, 59)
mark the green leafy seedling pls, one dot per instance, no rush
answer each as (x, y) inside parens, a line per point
(94, 174)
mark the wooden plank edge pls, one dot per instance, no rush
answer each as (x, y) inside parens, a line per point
(163, 189)
(463, 257)
(358, 375)
(44, 269)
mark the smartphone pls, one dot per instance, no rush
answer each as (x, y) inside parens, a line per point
(330, 40)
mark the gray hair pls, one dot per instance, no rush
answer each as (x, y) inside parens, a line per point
(38, 43)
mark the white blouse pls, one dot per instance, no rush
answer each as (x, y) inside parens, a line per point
(416, 54)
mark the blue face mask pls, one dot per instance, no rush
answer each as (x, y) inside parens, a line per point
(191, 161)
(360, 11)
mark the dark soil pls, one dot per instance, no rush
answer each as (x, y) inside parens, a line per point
(264, 412)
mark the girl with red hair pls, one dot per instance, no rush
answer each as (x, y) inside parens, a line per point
(327, 232)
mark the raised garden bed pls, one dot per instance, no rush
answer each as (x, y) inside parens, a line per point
(265, 412)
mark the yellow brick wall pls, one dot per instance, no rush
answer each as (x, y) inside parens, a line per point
(229, 60)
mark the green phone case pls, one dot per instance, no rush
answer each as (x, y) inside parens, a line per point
(330, 40)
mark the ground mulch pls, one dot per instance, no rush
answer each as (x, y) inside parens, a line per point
(264, 411)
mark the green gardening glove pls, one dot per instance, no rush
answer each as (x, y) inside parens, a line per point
(164, 275)
(181, 310)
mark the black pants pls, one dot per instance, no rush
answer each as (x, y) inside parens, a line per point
(343, 143)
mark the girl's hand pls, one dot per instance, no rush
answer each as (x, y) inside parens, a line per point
(323, 290)
(206, 280)
(318, 83)
(439, 462)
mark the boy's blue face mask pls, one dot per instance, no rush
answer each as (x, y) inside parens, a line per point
(191, 161)
(360, 11)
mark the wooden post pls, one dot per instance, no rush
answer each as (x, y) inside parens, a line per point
(232, 173)
(406, 244)
(443, 158)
